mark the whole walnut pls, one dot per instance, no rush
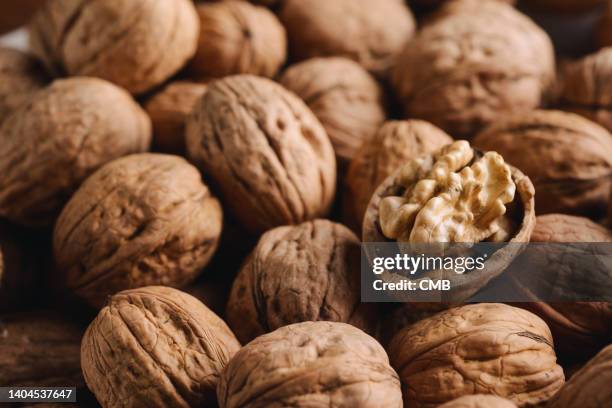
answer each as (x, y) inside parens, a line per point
(49, 145)
(485, 348)
(169, 109)
(568, 158)
(39, 349)
(590, 386)
(311, 364)
(395, 143)
(479, 401)
(21, 75)
(307, 272)
(156, 347)
(371, 32)
(140, 220)
(237, 37)
(345, 98)
(135, 44)
(565, 6)
(472, 64)
(265, 150)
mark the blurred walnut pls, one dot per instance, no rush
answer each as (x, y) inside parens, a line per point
(141, 220)
(310, 364)
(300, 273)
(135, 44)
(169, 109)
(590, 386)
(395, 143)
(371, 32)
(568, 229)
(237, 37)
(58, 138)
(156, 347)
(21, 75)
(479, 401)
(473, 63)
(13, 14)
(345, 98)
(568, 158)
(565, 6)
(477, 349)
(265, 150)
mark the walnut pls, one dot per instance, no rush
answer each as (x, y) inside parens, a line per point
(237, 37)
(590, 386)
(39, 349)
(565, 6)
(156, 347)
(64, 133)
(371, 32)
(479, 401)
(169, 109)
(266, 151)
(135, 44)
(569, 158)
(140, 220)
(300, 273)
(345, 98)
(395, 143)
(474, 63)
(477, 349)
(21, 75)
(310, 364)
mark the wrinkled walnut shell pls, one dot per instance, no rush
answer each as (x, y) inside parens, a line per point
(486, 348)
(310, 364)
(265, 150)
(141, 220)
(479, 401)
(156, 347)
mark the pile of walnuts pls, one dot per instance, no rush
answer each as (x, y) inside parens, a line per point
(185, 187)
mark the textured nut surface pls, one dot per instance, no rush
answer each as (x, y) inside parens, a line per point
(477, 349)
(307, 272)
(473, 64)
(345, 98)
(169, 109)
(395, 143)
(311, 364)
(479, 401)
(135, 44)
(265, 150)
(58, 138)
(568, 158)
(237, 37)
(140, 220)
(371, 32)
(156, 347)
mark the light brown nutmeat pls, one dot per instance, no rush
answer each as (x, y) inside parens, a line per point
(58, 138)
(311, 364)
(568, 158)
(265, 150)
(477, 349)
(371, 32)
(237, 37)
(135, 44)
(307, 272)
(348, 101)
(156, 347)
(141, 220)
(479, 401)
(473, 63)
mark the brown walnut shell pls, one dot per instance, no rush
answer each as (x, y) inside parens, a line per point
(345, 98)
(265, 150)
(58, 138)
(156, 347)
(141, 220)
(474, 63)
(485, 348)
(307, 272)
(479, 401)
(568, 158)
(311, 364)
(371, 32)
(237, 37)
(135, 44)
